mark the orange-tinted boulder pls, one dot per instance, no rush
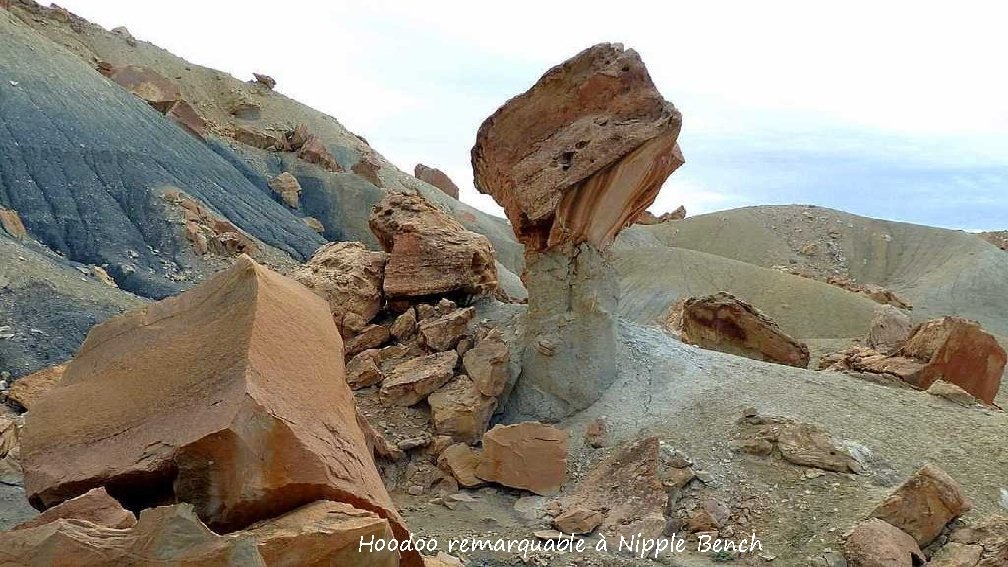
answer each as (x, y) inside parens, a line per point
(368, 168)
(437, 178)
(183, 114)
(581, 154)
(315, 151)
(349, 277)
(287, 187)
(431, 253)
(95, 506)
(528, 455)
(147, 84)
(231, 397)
(11, 223)
(725, 323)
(924, 504)
(874, 543)
(27, 390)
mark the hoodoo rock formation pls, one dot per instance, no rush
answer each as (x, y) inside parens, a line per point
(574, 160)
(230, 397)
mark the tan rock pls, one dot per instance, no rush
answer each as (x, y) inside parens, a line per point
(431, 253)
(412, 381)
(444, 333)
(460, 411)
(315, 151)
(157, 394)
(528, 455)
(370, 337)
(103, 276)
(95, 506)
(288, 187)
(890, 327)
(578, 520)
(188, 118)
(876, 293)
(404, 325)
(807, 445)
(259, 139)
(10, 450)
(710, 516)
(314, 224)
(11, 222)
(952, 393)
(349, 277)
(368, 168)
(726, 323)
(990, 534)
(207, 232)
(362, 370)
(957, 555)
(626, 488)
(874, 543)
(924, 504)
(460, 460)
(28, 390)
(265, 80)
(147, 84)
(437, 178)
(997, 238)
(596, 433)
(582, 153)
(487, 363)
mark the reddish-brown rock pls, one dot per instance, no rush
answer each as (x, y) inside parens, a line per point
(95, 506)
(990, 535)
(207, 232)
(460, 411)
(431, 253)
(726, 323)
(362, 370)
(596, 433)
(578, 520)
(997, 238)
(11, 223)
(581, 154)
(195, 398)
(626, 489)
(924, 504)
(528, 455)
(460, 460)
(349, 277)
(259, 139)
(265, 80)
(287, 186)
(649, 218)
(437, 178)
(147, 84)
(183, 114)
(370, 337)
(412, 381)
(27, 390)
(368, 168)
(315, 151)
(874, 543)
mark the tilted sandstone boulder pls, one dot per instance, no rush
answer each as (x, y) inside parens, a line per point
(527, 455)
(578, 520)
(159, 92)
(924, 504)
(349, 277)
(411, 382)
(725, 323)
(574, 160)
(288, 187)
(437, 178)
(368, 168)
(95, 506)
(874, 543)
(581, 154)
(430, 252)
(11, 223)
(10, 450)
(194, 398)
(890, 327)
(28, 390)
(460, 411)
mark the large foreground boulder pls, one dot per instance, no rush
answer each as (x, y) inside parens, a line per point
(726, 323)
(231, 397)
(574, 160)
(527, 455)
(430, 252)
(924, 504)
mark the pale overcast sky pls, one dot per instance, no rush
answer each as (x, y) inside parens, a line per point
(888, 109)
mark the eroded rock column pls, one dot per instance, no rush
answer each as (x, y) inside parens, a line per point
(573, 161)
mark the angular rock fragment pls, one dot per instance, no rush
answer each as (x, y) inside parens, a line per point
(265, 80)
(314, 150)
(287, 186)
(259, 139)
(443, 333)
(95, 506)
(527, 455)
(807, 445)
(362, 370)
(431, 253)
(725, 323)
(349, 277)
(990, 535)
(183, 114)
(404, 325)
(147, 84)
(487, 364)
(194, 398)
(890, 327)
(460, 411)
(368, 168)
(437, 178)
(596, 433)
(582, 153)
(460, 460)
(11, 223)
(28, 390)
(874, 543)
(924, 504)
(314, 224)
(578, 520)
(412, 381)
(952, 393)
(370, 337)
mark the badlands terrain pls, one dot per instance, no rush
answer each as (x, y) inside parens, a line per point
(233, 333)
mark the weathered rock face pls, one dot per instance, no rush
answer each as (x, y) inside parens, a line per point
(265, 80)
(460, 460)
(349, 277)
(626, 489)
(460, 411)
(924, 504)
(368, 168)
(987, 540)
(437, 178)
(287, 186)
(487, 363)
(10, 450)
(11, 223)
(890, 327)
(207, 232)
(430, 252)
(27, 390)
(997, 238)
(581, 154)
(95, 506)
(195, 398)
(160, 93)
(412, 381)
(648, 218)
(527, 455)
(726, 323)
(444, 332)
(874, 543)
